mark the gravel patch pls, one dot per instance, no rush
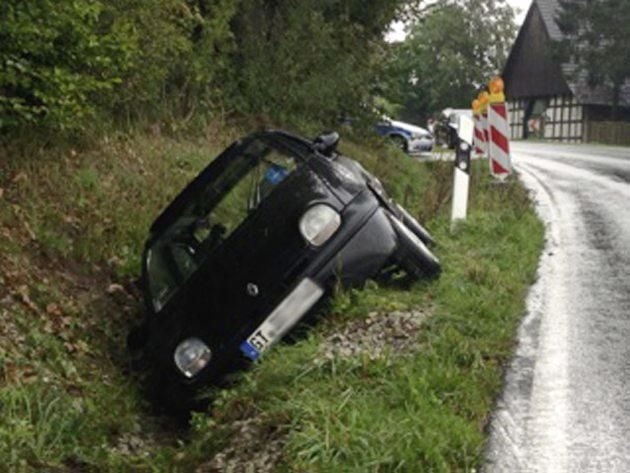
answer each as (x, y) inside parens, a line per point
(255, 447)
(374, 336)
(133, 444)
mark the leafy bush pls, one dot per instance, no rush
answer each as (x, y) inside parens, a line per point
(308, 59)
(67, 63)
(55, 57)
(178, 57)
(64, 61)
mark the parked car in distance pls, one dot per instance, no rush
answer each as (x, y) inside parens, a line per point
(446, 126)
(409, 138)
(252, 245)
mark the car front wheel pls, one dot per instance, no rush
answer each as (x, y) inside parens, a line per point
(412, 254)
(412, 224)
(400, 142)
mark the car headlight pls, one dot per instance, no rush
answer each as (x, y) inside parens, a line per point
(191, 356)
(161, 284)
(319, 223)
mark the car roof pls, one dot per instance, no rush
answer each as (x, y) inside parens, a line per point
(279, 138)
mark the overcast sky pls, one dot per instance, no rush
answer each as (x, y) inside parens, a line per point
(521, 6)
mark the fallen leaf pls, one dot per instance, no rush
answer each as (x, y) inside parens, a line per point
(113, 288)
(54, 309)
(28, 376)
(1, 192)
(19, 177)
(115, 261)
(24, 294)
(48, 328)
(64, 335)
(29, 230)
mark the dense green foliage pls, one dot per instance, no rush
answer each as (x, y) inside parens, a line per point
(52, 57)
(63, 62)
(66, 62)
(316, 58)
(79, 65)
(596, 38)
(452, 49)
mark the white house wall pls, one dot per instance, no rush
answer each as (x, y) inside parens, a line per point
(563, 119)
(516, 117)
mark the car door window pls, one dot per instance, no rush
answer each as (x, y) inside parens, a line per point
(216, 212)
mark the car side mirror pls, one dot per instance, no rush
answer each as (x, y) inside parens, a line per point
(326, 143)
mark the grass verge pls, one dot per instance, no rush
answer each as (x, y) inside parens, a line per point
(71, 228)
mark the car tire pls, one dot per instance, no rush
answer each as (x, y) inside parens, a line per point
(400, 142)
(412, 255)
(412, 224)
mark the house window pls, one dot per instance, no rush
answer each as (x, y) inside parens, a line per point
(537, 120)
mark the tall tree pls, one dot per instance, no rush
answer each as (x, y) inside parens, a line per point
(309, 59)
(596, 38)
(453, 46)
(65, 64)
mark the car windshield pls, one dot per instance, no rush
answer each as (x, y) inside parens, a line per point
(213, 214)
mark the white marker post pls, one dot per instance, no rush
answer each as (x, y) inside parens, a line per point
(465, 133)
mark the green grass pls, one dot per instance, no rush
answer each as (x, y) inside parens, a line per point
(72, 223)
(426, 412)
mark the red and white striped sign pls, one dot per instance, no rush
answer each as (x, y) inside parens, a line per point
(486, 135)
(499, 144)
(479, 142)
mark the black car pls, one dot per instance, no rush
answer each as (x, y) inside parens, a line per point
(253, 244)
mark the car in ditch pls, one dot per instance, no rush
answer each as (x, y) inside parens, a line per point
(253, 245)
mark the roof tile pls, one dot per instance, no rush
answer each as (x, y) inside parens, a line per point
(577, 80)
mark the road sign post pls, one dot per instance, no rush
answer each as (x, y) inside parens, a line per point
(461, 179)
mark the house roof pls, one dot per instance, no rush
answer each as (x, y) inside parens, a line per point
(576, 80)
(531, 69)
(548, 9)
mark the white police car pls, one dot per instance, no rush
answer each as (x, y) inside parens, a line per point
(410, 138)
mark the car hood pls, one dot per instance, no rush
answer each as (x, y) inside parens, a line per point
(410, 128)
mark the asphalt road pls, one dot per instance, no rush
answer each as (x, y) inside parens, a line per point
(566, 404)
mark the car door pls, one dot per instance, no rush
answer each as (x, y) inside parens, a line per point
(243, 280)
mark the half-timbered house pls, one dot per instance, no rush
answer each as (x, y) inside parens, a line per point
(548, 99)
